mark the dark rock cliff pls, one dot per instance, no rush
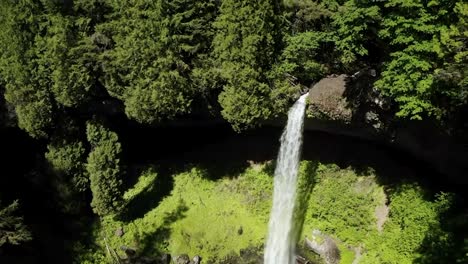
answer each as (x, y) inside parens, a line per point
(348, 105)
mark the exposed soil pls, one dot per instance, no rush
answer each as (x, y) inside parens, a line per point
(381, 213)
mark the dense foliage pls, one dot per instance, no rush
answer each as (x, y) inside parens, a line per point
(104, 169)
(67, 161)
(72, 71)
(219, 219)
(166, 59)
(153, 49)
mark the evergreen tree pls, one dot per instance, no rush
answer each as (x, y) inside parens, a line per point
(155, 43)
(12, 229)
(22, 66)
(244, 50)
(104, 169)
(308, 53)
(67, 161)
(47, 61)
(69, 54)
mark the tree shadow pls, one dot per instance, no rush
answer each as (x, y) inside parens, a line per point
(225, 157)
(233, 154)
(449, 242)
(158, 239)
(358, 92)
(394, 168)
(225, 154)
(306, 182)
(151, 196)
(153, 247)
(362, 98)
(391, 166)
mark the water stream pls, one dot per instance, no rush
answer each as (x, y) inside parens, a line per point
(281, 242)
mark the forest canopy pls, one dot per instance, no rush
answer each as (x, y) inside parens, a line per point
(244, 61)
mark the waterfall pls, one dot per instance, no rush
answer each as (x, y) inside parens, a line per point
(281, 242)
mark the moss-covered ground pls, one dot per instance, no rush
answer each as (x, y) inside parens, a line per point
(220, 218)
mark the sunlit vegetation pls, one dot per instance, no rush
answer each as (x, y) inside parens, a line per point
(218, 219)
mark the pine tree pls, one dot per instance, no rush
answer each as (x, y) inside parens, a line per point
(47, 61)
(67, 161)
(12, 229)
(104, 169)
(22, 68)
(149, 65)
(244, 50)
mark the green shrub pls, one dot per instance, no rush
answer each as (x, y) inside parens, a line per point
(340, 206)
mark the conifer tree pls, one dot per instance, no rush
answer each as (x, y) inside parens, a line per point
(155, 43)
(12, 229)
(104, 169)
(47, 61)
(22, 68)
(67, 161)
(244, 50)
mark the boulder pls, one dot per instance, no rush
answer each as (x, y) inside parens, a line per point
(196, 260)
(182, 259)
(327, 99)
(128, 251)
(325, 246)
(119, 232)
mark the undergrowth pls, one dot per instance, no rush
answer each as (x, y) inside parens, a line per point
(226, 219)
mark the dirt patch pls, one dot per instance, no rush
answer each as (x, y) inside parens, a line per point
(381, 213)
(357, 254)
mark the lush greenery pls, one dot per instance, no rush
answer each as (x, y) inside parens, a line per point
(218, 219)
(104, 169)
(77, 76)
(166, 59)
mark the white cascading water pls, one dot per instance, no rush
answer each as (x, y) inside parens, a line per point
(281, 242)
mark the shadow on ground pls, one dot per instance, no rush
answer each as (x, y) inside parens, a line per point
(450, 244)
(154, 240)
(151, 196)
(223, 153)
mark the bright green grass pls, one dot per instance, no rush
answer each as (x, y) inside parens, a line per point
(219, 218)
(145, 182)
(347, 255)
(212, 219)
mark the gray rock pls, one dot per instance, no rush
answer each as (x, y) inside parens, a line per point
(325, 246)
(328, 100)
(165, 259)
(182, 259)
(196, 260)
(119, 232)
